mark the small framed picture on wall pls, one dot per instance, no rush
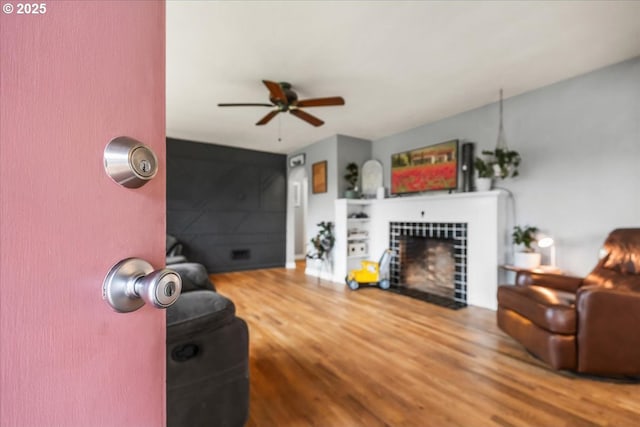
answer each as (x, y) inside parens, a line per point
(319, 177)
(297, 160)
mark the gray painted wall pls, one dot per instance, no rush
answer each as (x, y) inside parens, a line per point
(338, 151)
(351, 149)
(221, 199)
(580, 144)
(320, 205)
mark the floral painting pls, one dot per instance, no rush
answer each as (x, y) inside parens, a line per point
(426, 169)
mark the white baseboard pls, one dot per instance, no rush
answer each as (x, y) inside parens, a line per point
(290, 265)
(324, 275)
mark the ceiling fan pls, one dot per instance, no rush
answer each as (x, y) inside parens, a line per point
(284, 99)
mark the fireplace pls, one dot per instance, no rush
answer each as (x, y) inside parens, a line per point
(430, 261)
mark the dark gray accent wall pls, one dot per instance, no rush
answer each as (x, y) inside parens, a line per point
(227, 205)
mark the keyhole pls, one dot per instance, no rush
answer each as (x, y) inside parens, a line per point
(145, 166)
(169, 289)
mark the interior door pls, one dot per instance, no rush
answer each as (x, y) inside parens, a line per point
(74, 75)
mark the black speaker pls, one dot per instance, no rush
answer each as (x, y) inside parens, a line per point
(468, 149)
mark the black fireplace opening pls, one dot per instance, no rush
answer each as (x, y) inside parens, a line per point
(430, 262)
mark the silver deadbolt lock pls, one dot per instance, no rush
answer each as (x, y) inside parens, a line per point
(132, 282)
(129, 162)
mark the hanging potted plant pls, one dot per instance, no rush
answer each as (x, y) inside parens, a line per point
(495, 164)
(352, 178)
(525, 237)
(504, 162)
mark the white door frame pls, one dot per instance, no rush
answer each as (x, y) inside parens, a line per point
(297, 191)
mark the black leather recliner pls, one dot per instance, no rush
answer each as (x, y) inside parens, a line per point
(207, 355)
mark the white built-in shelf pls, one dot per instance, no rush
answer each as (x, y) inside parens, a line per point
(357, 201)
(357, 237)
(353, 235)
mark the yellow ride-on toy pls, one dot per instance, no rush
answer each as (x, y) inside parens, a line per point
(372, 273)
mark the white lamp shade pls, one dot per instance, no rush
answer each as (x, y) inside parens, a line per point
(545, 242)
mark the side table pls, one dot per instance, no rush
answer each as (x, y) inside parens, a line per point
(511, 271)
(540, 269)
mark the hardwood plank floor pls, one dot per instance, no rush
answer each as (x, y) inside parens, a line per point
(322, 355)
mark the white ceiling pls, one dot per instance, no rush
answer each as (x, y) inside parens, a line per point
(397, 64)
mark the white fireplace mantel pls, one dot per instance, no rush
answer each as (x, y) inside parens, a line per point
(485, 216)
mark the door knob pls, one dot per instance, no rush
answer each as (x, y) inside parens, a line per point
(133, 282)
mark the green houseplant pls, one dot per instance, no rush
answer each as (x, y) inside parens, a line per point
(525, 237)
(323, 242)
(351, 177)
(498, 163)
(503, 162)
(484, 169)
(506, 164)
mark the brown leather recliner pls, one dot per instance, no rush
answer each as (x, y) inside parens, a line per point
(589, 325)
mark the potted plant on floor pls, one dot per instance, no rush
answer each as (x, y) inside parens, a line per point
(323, 242)
(525, 237)
(352, 178)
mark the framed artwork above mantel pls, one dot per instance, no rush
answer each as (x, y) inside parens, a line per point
(319, 177)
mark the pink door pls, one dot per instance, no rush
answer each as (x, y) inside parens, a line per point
(74, 76)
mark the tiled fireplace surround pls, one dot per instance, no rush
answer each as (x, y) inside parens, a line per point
(483, 215)
(421, 270)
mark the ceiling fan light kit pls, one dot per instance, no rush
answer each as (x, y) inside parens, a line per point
(284, 99)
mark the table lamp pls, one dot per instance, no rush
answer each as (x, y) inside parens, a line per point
(545, 241)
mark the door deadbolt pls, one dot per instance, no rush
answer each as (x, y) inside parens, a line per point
(129, 162)
(132, 282)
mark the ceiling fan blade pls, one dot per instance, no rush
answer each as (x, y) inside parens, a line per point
(276, 92)
(306, 117)
(245, 105)
(266, 119)
(321, 102)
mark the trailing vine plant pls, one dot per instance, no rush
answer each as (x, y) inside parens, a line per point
(504, 162)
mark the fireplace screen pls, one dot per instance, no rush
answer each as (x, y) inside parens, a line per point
(428, 265)
(430, 261)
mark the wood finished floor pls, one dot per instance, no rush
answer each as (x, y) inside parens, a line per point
(321, 355)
